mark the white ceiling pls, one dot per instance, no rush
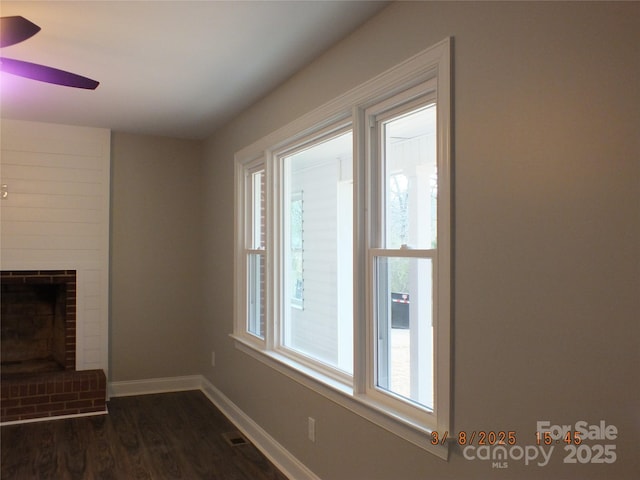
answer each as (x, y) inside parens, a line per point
(173, 68)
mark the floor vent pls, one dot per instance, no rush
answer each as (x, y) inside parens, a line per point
(235, 439)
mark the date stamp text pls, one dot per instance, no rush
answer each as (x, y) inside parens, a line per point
(578, 443)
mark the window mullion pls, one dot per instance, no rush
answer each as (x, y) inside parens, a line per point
(361, 224)
(372, 233)
(272, 257)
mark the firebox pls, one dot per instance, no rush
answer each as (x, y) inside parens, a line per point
(38, 328)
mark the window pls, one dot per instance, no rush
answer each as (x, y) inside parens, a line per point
(255, 249)
(343, 249)
(317, 318)
(403, 249)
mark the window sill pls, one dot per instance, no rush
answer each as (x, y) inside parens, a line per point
(342, 394)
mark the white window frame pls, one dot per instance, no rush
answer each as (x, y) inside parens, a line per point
(426, 73)
(416, 97)
(245, 247)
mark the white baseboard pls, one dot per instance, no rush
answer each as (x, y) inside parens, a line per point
(155, 385)
(55, 417)
(276, 453)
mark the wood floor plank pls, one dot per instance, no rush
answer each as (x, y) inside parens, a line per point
(75, 455)
(128, 450)
(164, 436)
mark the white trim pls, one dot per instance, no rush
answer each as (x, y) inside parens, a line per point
(413, 71)
(55, 417)
(154, 385)
(270, 448)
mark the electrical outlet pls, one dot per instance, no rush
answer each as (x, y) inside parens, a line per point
(213, 358)
(311, 429)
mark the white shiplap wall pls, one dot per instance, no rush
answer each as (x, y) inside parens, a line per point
(56, 217)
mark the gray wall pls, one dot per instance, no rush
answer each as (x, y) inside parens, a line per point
(547, 228)
(156, 287)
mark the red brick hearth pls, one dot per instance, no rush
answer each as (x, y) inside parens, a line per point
(52, 394)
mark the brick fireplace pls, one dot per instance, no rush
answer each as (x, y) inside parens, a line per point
(38, 321)
(38, 349)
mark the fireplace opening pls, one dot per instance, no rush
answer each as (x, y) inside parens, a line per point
(37, 331)
(33, 328)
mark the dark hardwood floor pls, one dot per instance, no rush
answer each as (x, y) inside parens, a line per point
(165, 436)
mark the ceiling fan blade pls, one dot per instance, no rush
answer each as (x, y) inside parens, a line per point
(46, 74)
(15, 30)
